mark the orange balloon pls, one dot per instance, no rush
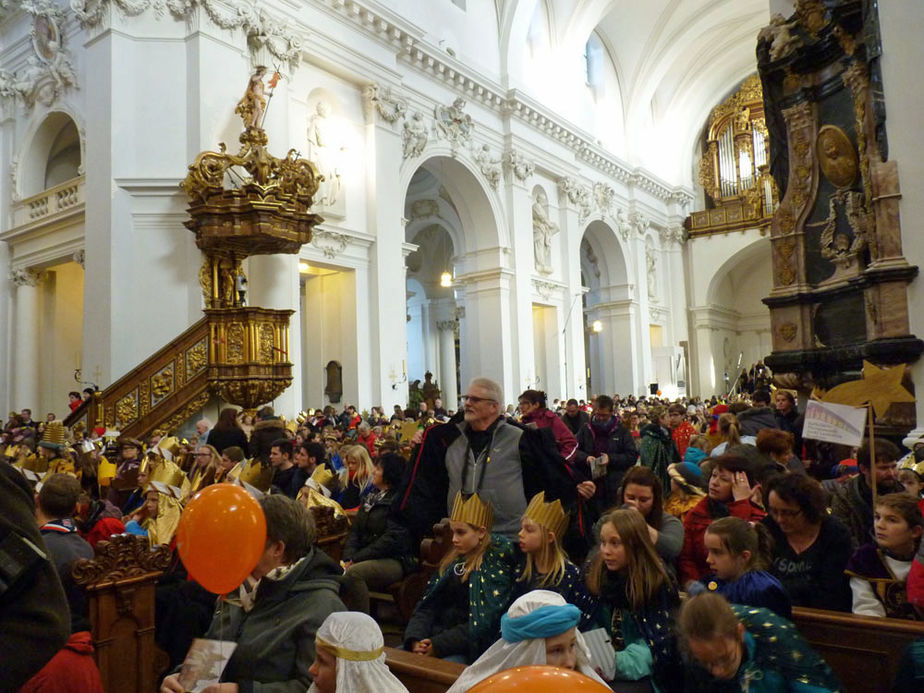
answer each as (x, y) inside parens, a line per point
(538, 679)
(221, 536)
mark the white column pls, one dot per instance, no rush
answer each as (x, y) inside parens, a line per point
(520, 328)
(387, 274)
(26, 340)
(571, 318)
(448, 385)
(6, 321)
(273, 282)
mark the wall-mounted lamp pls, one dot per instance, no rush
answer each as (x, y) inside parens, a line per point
(303, 267)
(596, 326)
(446, 280)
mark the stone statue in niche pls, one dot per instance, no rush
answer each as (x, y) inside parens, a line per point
(324, 151)
(334, 387)
(543, 230)
(651, 263)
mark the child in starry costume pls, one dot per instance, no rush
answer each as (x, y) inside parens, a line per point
(459, 615)
(543, 564)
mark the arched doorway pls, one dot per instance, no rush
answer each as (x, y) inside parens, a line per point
(458, 288)
(610, 313)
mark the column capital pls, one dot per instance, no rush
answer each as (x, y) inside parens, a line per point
(27, 277)
(447, 325)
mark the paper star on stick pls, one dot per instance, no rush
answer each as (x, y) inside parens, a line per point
(880, 387)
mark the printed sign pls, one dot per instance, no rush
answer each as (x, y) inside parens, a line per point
(834, 423)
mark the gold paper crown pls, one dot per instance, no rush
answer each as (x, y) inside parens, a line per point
(550, 515)
(324, 476)
(169, 447)
(473, 511)
(257, 475)
(909, 463)
(53, 435)
(168, 474)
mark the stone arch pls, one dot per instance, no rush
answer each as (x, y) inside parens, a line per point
(611, 355)
(478, 209)
(610, 256)
(39, 147)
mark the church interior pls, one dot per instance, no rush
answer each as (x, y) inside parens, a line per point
(324, 203)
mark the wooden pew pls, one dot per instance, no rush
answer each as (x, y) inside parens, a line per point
(120, 583)
(864, 652)
(422, 674)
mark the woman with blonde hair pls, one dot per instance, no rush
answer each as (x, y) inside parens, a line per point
(729, 434)
(359, 475)
(637, 597)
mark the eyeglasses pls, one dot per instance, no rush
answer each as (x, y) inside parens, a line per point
(471, 399)
(782, 512)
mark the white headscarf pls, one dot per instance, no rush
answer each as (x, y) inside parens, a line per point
(356, 640)
(504, 655)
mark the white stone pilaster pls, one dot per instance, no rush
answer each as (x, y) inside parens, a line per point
(447, 343)
(26, 340)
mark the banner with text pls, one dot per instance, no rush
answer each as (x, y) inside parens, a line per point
(834, 423)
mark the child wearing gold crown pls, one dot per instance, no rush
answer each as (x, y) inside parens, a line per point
(543, 564)
(458, 616)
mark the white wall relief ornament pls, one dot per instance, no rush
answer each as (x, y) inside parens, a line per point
(49, 71)
(414, 136)
(517, 166)
(488, 165)
(453, 124)
(263, 31)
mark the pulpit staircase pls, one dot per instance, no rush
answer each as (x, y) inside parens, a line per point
(237, 353)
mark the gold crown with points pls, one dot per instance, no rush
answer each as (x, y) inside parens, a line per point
(916, 467)
(473, 511)
(549, 515)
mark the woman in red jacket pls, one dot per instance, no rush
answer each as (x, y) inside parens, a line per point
(533, 410)
(731, 488)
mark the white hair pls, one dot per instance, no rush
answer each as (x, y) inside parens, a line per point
(493, 388)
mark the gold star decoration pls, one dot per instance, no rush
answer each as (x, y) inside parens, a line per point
(880, 387)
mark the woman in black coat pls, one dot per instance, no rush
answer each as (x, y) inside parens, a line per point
(228, 432)
(378, 549)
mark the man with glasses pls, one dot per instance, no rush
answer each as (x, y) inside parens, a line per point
(482, 452)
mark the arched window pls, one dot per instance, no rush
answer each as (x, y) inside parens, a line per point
(593, 61)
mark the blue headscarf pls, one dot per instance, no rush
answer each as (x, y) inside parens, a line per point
(544, 622)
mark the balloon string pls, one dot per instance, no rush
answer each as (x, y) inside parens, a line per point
(221, 634)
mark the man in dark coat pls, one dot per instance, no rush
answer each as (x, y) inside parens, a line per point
(758, 416)
(34, 622)
(574, 417)
(482, 452)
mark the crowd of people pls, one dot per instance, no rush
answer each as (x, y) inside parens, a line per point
(650, 545)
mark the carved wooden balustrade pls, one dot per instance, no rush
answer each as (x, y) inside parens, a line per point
(120, 583)
(239, 354)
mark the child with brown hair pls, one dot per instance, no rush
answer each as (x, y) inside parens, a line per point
(878, 571)
(637, 597)
(738, 553)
